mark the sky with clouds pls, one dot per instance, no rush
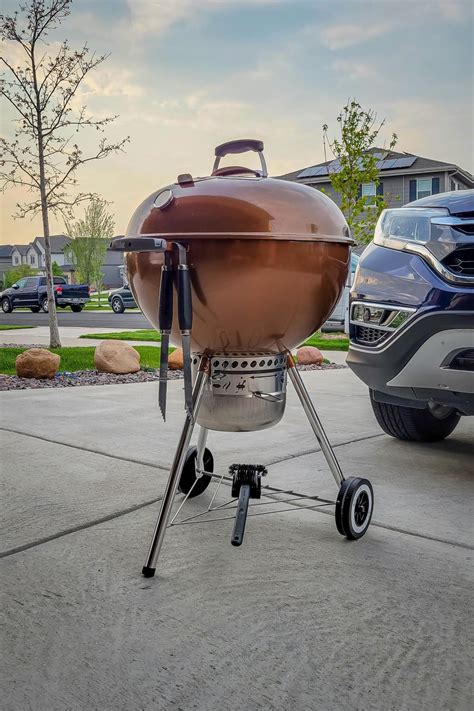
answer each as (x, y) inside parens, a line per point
(185, 75)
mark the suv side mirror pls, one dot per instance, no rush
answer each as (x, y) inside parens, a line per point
(15, 286)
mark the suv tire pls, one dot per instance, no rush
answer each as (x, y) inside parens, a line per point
(6, 305)
(412, 424)
(117, 305)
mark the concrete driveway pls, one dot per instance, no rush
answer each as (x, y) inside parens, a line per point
(297, 618)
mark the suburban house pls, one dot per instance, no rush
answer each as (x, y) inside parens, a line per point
(403, 177)
(5, 259)
(33, 254)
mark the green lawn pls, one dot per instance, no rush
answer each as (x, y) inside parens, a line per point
(6, 327)
(145, 334)
(77, 358)
(328, 344)
(319, 340)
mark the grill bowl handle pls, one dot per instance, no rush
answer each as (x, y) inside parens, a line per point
(241, 145)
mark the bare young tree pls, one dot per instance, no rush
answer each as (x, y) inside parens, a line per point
(42, 155)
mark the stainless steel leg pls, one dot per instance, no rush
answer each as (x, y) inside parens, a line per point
(315, 422)
(148, 569)
(201, 447)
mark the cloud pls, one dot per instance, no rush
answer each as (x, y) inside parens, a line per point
(112, 82)
(156, 16)
(353, 69)
(392, 17)
(342, 36)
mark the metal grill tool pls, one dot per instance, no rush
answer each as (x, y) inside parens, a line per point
(166, 321)
(185, 320)
(156, 243)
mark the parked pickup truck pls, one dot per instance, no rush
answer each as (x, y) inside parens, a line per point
(30, 292)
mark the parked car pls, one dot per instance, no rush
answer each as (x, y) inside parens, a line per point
(30, 292)
(412, 317)
(337, 320)
(122, 299)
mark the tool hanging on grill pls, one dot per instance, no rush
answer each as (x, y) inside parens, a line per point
(156, 243)
(166, 321)
(185, 320)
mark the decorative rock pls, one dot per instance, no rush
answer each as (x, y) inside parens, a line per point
(116, 357)
(175, 359)
(309, 355)
(37, 363)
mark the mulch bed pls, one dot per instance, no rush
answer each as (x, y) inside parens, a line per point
(93, 377)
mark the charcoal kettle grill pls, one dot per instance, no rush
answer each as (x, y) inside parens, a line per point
(239, 269)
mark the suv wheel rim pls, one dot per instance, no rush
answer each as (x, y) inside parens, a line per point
(116, 305)
(5, 305)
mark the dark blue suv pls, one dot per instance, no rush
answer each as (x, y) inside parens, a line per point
(412, 317)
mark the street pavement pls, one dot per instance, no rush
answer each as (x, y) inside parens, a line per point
(92, 319)
(296, 618)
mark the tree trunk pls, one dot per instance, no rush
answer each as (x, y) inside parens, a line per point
(54, 340)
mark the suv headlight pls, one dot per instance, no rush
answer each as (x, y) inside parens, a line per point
(403, 228)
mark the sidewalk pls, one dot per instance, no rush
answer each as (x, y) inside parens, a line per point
(297, 617)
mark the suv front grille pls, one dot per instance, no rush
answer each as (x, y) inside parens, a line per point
(461, 261)
(367, 336)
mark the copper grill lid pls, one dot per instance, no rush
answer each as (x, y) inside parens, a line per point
(239, 202)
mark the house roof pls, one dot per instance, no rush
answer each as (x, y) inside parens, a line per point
(58, 242)
(392, 161)
(5, 250)
(22, 248)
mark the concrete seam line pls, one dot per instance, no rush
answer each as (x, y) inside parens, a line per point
(384, 526)
(318, 449)
(273, 495)
(87, 449)
(166, 468)
(79, 527)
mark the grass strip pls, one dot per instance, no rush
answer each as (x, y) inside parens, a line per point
(144, 334)
(6, 327)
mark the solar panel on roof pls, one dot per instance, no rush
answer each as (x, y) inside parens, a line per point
(405, 162)
(313, 172)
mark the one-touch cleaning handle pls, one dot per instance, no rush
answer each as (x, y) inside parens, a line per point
(185, 306)
(165, 313)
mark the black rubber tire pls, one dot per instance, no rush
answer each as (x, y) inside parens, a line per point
(411, 424)
(7, 306)
(35, 309)
(117, 305)
(44, 304)
(354, 507)
(77, 308)
(188, 475)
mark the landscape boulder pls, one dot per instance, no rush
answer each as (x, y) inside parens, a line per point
(116, 357)
(309, 355)
(175, 359)
(37, 363)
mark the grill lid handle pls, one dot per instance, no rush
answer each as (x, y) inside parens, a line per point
(241, 145)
